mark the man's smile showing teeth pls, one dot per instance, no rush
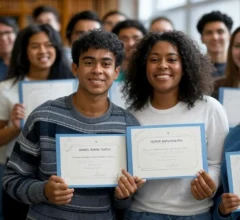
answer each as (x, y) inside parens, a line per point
(96, 81)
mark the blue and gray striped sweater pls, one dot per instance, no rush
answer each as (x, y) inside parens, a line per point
(33, 161)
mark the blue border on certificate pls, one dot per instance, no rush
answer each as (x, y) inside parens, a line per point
(203, 142)
(221, 94)
(221, 91)
(229, 171)
(58, 154)
(23, 82)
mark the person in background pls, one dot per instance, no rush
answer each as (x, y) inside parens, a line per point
(111, 18)
(8, 33)
(232, 72)
(161, 24)
(227, 202)
(37, 55)
(30, 174)
(45, 14)
(79, 24)
(215, 28)
(129, 32)
(162, 88)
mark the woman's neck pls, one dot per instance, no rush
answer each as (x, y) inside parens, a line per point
(90, 105)
(38, 74)
(164, 101)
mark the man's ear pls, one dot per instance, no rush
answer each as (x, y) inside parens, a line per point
(202, 39)
(74, 69)
(117, 71)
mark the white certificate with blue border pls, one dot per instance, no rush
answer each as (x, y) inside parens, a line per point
(167, 151)
(233, 172)
(34, 93)
(86, 161)
(230, 99)
(115, 94)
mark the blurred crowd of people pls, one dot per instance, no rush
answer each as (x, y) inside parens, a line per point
(144, 60)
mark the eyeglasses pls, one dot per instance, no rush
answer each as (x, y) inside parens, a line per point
(5, 33)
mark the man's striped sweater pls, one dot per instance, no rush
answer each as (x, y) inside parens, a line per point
(33, 161)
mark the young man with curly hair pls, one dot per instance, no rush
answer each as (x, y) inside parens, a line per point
(30, 175)
(163, 87)
(215, 29)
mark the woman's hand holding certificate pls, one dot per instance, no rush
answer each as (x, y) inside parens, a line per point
(203, 186)
(127, 185)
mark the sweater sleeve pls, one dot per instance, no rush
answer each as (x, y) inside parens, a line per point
(231, 144)
(216, 214)
(20, 173)
(217, 130)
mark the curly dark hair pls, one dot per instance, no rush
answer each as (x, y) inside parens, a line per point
(212, 17)
(98, 39)
(197, 68)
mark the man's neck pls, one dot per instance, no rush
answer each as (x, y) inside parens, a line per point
(218, 57)
(124, 65)
(90, 105)
(6, 58)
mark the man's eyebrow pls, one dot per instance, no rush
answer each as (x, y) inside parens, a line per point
(93, 58)
(88, 57)
(107, 58)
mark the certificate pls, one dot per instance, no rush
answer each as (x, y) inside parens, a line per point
(230, 99)
(34, 93)
(116, 95)
(233, 171)
(168, 151)
(85, 161)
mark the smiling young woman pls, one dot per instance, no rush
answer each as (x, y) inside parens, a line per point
(37, 55)
(176, 79)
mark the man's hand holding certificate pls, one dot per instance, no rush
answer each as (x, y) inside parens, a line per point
(91, 160)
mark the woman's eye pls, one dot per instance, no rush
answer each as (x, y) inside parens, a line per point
(153, 60)
(172, 60)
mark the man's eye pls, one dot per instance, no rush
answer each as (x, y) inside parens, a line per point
(88, 63)
(106, 64)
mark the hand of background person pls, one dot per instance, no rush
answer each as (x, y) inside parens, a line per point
(229, 203)
(127, 185)
(17, 114)
(57, 191)
(203, 186)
